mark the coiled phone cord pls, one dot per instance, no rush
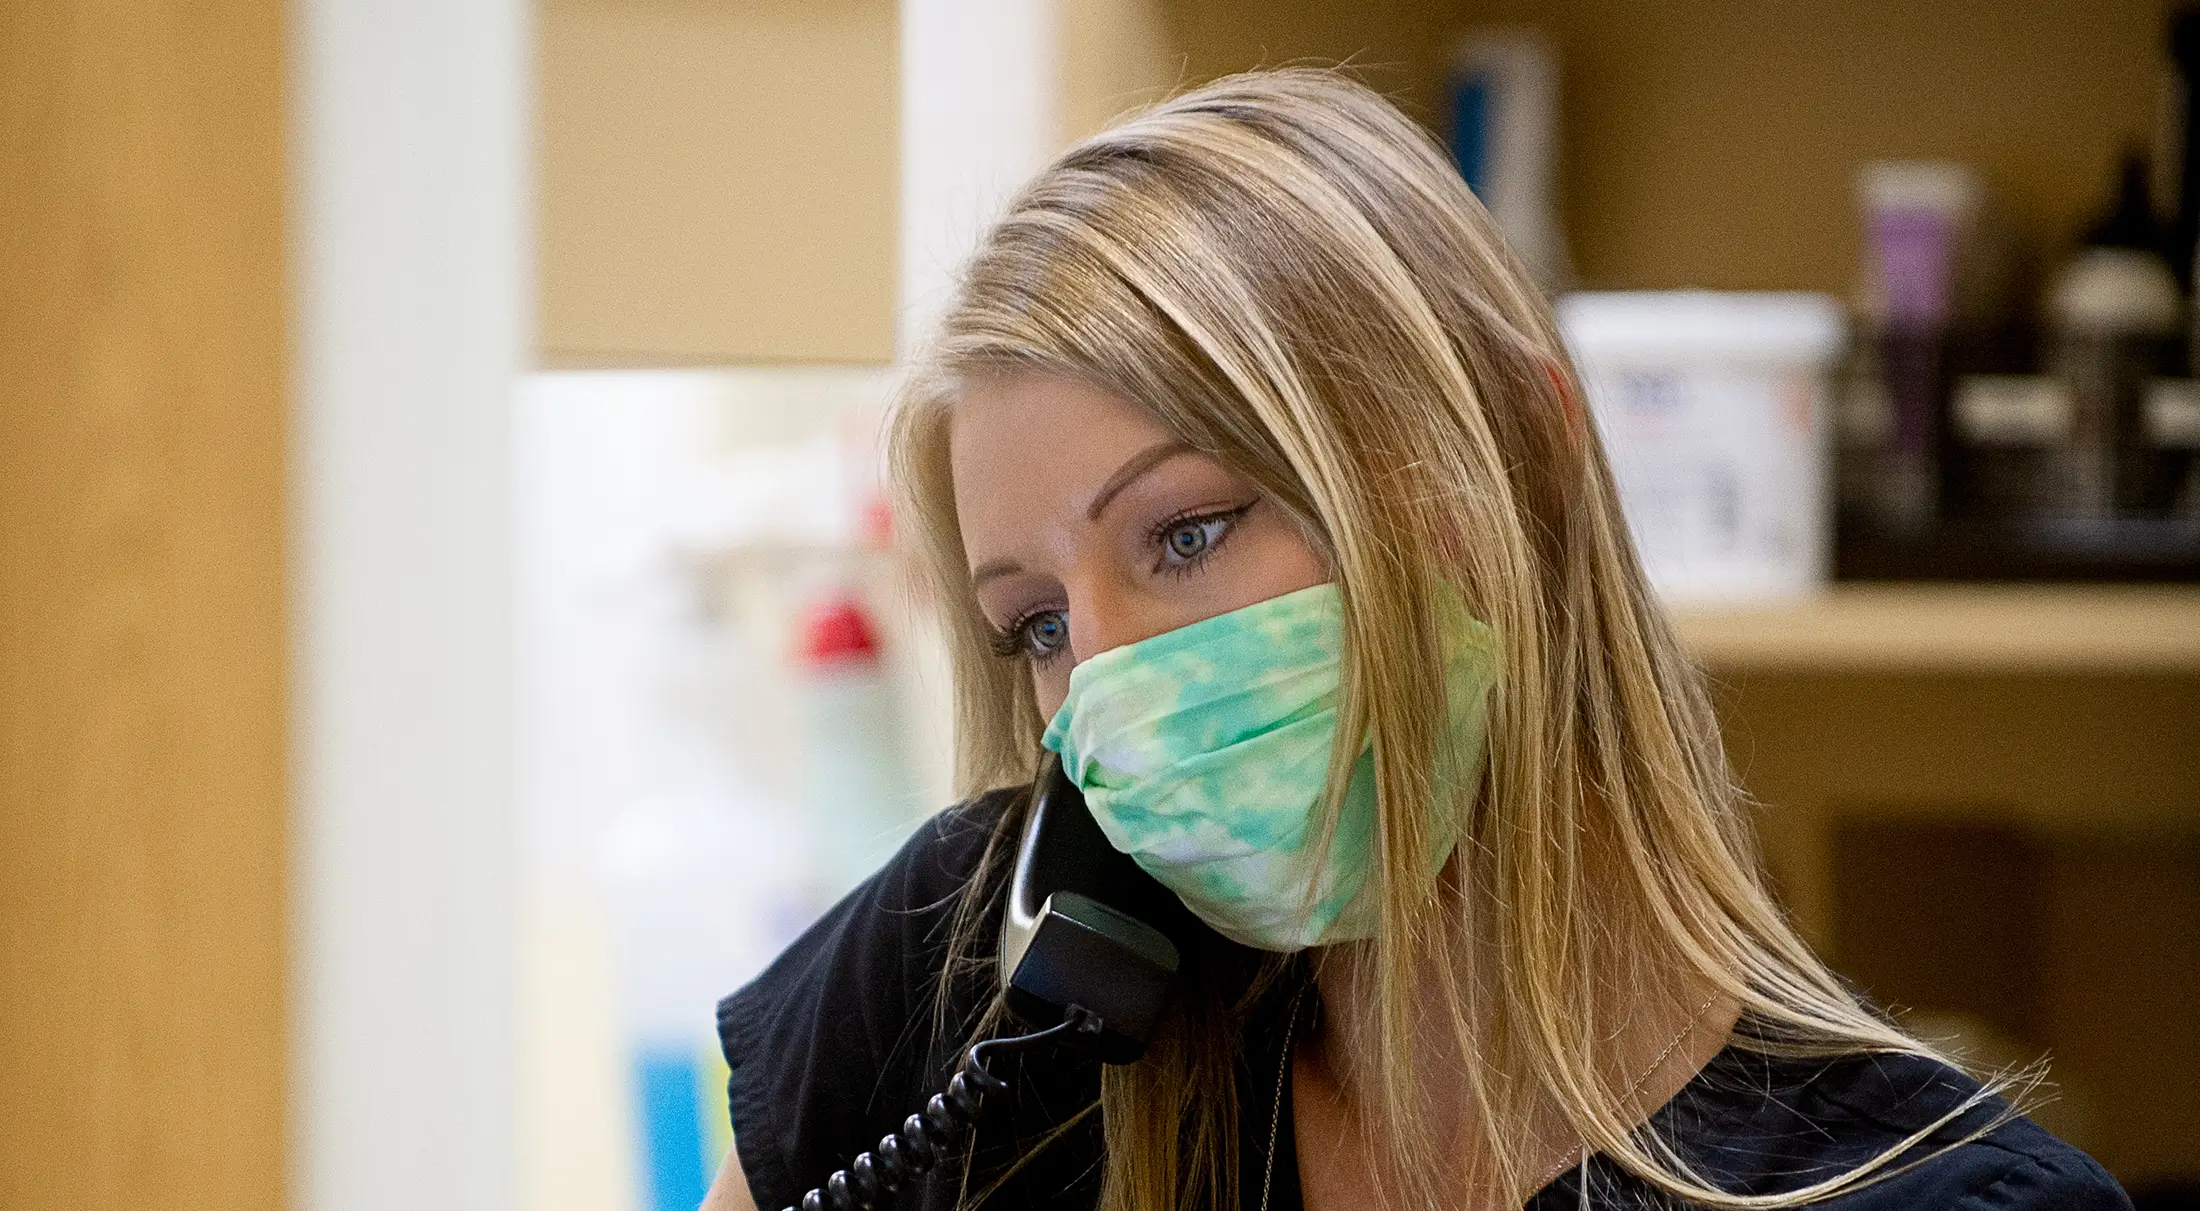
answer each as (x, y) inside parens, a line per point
(870, 1182)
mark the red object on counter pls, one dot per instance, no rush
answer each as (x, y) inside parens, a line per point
(837, 629)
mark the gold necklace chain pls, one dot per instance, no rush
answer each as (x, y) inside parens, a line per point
(1283, 1070)
(1687, 1028)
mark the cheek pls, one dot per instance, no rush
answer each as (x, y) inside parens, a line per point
(1274, 559)
(1050, 686)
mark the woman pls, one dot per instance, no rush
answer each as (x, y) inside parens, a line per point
(1254, 482)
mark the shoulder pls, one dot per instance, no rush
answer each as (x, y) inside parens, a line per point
(945, 851)
(1768, 1124)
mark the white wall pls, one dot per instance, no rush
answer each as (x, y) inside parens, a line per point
(980, 112)
(410, 232)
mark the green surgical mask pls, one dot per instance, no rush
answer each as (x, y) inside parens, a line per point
(1204, 752)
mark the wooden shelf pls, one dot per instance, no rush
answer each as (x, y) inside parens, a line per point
(1956, 628)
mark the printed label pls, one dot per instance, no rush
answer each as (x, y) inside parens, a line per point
(2013, 410)
(2171, 413)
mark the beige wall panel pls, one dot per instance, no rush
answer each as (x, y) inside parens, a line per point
(1397, 46)
(142, 838)
(1116, 56)
(718, 181)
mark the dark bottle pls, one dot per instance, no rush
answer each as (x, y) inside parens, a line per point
(2113, 318)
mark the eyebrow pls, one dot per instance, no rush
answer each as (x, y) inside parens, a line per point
(993, 568)
(1127, 474)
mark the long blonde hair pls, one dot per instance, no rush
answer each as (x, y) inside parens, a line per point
(1293, 278)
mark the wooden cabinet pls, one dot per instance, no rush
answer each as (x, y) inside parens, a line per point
(144, 346)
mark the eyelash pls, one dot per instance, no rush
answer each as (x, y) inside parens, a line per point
(1014, 640)
(1161, 531)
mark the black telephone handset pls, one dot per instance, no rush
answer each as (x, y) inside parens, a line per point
(1089, 954)
(1085, 926)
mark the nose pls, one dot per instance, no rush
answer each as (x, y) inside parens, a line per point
(1106, 614)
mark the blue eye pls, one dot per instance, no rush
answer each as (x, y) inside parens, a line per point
(1187, 540)
(1190, 538)
(1044, 634)
(1039, 636)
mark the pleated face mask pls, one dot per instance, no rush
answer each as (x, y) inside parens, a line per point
(1204, 753)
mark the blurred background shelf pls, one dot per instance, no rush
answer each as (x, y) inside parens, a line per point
(1966, 628)
(1983, 800)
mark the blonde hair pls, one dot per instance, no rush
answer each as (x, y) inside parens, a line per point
(1294, 279)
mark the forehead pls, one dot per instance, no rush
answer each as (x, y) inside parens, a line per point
(1025, 441)
(1065, 414)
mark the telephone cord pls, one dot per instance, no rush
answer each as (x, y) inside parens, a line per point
(870, 1182)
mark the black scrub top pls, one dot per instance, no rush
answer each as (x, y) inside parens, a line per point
(837, 1041)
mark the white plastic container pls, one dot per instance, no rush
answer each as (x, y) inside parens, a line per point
(1714, 410)
(862, 802)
